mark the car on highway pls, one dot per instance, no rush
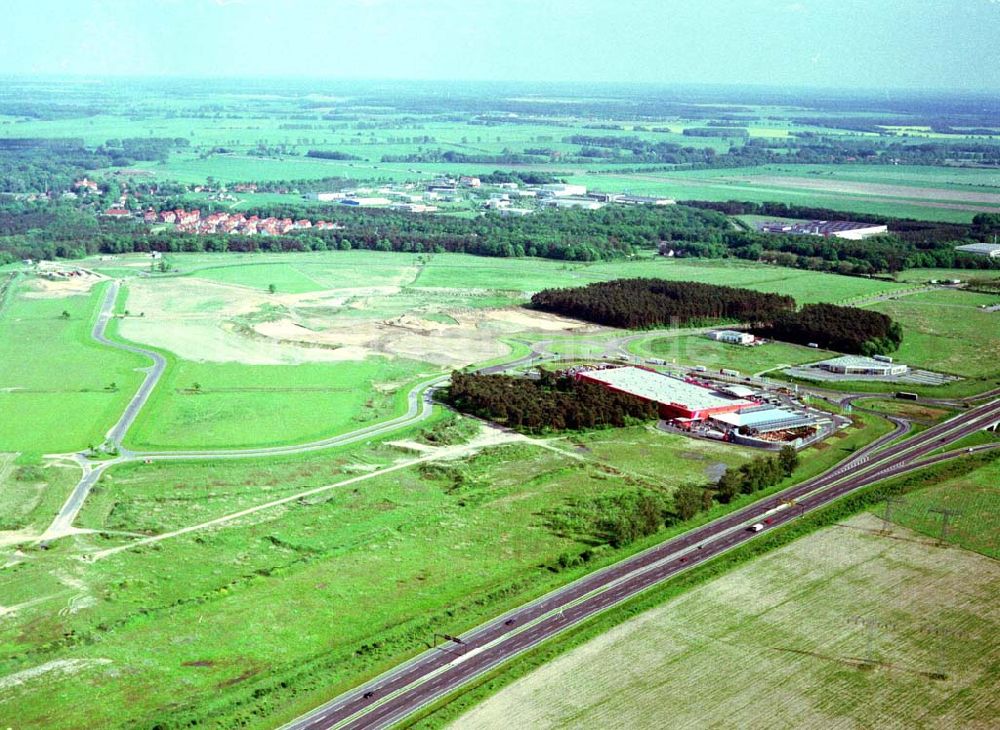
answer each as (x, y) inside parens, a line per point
(756, 527)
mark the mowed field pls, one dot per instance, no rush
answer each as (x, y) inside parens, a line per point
(947, 331)
(55, 393)
(699, 350)
(844, 628)
(251, 620)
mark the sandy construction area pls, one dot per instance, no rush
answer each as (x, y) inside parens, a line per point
(207, 321)
(80, 282)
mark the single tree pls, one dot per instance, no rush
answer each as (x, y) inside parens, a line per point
(687, 501)
(789, 459)
(271, 288)
(65, 314)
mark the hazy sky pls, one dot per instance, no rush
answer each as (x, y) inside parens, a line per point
(950, 44)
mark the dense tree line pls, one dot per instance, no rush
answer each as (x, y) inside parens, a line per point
(638, 303)
(332, 155)
(39, 165)
(569, 235)
(549, 403)
(759, 473)
(844, 329)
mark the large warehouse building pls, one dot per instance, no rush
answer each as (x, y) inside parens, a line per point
(676, 398)
(989, 250)
(851, 230)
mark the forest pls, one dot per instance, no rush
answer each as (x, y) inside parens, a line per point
(844, 329)
(641, 303)
(552, 402)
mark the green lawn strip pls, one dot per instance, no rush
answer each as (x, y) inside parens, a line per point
(60, 378)
(913, 410)
(979, 438)
(449, 708)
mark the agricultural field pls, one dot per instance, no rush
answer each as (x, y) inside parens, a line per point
(947, 331)
(973, 505)
(64, 389)
(845, 627)
(907, 192)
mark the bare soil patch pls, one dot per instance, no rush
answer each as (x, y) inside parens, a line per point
(207, 321)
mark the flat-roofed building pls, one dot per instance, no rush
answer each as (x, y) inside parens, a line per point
(990, 250)
(766, 420)
(675, 397)
(859, 365)
(733, 337)
(851, 230)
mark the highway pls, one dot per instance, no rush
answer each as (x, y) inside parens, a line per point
(437, 672)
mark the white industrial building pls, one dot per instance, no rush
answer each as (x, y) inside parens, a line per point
(990, 250)
(574, 202)
(732, 337)
(858, 365)
(563, 190)
(851, 230)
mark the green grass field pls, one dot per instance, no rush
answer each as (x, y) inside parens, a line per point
(699, 350)
(947, 331)
(354, 578)
(30, 494)
(974, 504)
(232, 405)
(54, 380)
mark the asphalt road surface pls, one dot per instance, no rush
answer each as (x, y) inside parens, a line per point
(444, 669)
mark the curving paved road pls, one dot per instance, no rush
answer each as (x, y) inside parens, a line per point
(442, 670)
(420, 402)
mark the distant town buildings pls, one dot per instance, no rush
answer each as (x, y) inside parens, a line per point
(851, 230)
(192, 221)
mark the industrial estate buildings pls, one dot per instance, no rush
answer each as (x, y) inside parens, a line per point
(729, 412)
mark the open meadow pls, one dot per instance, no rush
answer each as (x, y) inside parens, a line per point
(353, 577)
(59, 390)
(947, 331)
(845, 627)
(699, 350)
